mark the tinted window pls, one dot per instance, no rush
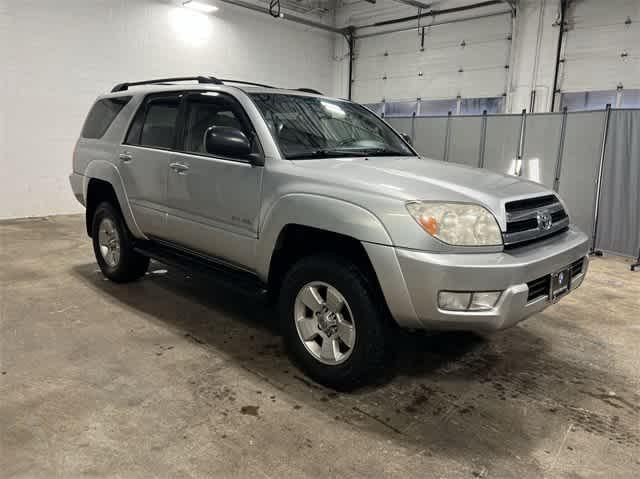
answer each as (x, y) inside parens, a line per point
(211, 109)
(400, 108)
(155, 122)
(133, 136)
(159, 124)
(438, 107)
(475, 106)
(589, 100)
(102, 115)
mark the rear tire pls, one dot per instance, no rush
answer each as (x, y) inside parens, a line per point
(113, 246)
(334, 325)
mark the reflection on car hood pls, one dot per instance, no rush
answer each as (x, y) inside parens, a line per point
(414, 178)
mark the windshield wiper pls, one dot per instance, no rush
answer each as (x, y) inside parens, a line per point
(346, 152)
(382, 152)
(322, 153)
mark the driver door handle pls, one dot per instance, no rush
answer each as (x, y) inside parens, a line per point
(179, 168)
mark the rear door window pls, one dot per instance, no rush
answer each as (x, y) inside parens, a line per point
(154, 125)
(102, 115)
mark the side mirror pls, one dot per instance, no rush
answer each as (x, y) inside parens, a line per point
(227, 141)
(406, 138)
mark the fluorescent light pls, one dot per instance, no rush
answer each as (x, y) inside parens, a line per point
(190, 26)
(199, 6)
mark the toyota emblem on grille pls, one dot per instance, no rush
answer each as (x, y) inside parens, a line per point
(544, 220)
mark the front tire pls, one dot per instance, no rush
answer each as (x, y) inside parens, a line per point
(113, 246)
(334, 324)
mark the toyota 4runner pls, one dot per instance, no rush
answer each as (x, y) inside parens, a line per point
(322, 205)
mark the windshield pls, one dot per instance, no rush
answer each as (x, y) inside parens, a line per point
(311, 127)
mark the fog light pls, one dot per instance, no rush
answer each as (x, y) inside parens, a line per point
(479, 301)
(484, 301)
(454, 301)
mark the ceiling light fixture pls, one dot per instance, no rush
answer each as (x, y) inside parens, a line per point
(199, 6)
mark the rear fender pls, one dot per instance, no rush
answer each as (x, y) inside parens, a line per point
(106, 171)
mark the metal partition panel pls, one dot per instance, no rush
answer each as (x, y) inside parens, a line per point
(401, 125)
(430, 136)
(464, 146)
(619, 215)
(541, 144)
(502, 142)
(580, 162)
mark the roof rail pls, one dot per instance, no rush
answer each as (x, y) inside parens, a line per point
(161, 81)
(247, 83)
(199, 79)
(309, 90)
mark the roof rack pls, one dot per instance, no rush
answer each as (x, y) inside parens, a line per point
(309, 90)
(168, 81)
(247, 83)
(200, 79)
(164, 81)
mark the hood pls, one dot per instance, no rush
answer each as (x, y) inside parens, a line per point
(414, 178)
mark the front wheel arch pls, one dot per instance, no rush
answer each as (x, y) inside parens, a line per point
(320, 213)
(299, 241)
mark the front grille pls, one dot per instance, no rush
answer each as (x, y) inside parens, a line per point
(523, 226)
(541, 287)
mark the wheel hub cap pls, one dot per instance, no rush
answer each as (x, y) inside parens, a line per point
(327, 322)
(324, 322)
(109, 241)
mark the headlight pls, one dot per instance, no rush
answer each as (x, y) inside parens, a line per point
(459, 224)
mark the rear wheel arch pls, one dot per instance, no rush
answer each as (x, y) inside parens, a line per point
(98, 191)
(107, 173)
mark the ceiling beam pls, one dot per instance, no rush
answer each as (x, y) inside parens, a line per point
(285, 16)
(432, 13)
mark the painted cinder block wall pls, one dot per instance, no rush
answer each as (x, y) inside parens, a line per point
(57, 56)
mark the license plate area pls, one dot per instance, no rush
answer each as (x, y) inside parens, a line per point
(560, 284)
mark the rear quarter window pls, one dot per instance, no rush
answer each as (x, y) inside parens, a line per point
(102, 115)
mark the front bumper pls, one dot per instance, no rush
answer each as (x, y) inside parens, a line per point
(422, 275)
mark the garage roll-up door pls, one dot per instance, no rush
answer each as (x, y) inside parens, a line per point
(466, 59)
(601, 46)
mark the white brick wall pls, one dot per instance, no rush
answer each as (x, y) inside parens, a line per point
(57, 56)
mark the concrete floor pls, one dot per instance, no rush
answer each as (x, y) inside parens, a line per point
(173, 376)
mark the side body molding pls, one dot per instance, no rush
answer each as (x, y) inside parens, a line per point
(315, 211)
(106, 171)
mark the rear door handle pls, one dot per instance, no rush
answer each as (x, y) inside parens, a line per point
(179, 168)
(125, 157)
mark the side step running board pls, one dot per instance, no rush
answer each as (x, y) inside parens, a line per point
(184, 260)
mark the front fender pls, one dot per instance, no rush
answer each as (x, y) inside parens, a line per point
(106, 171)
(316, 211)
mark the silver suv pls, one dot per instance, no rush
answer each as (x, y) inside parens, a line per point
(322, 205)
